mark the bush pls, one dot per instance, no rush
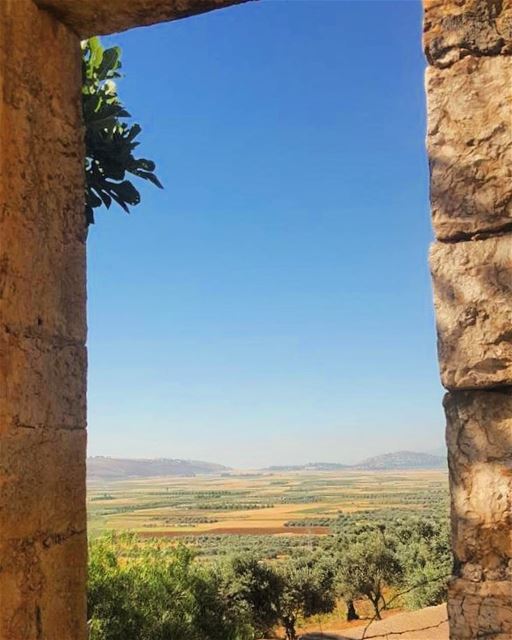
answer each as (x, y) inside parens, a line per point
(157, 596)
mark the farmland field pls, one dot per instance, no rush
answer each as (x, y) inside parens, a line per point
(216, 510)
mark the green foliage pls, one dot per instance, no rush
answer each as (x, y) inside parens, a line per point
(367, 566)
(157, 596)
(109, 141)
(425, 551)
(254, 585)
(307, 589)
(413, 554)
(244, 587)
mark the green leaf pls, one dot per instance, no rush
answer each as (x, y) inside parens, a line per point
(127, 192)
(109, 141)
(109, 62)
(96, 53)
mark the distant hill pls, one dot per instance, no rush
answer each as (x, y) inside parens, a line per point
(402, 460)
(385, 462)
(310, 466)
(102, 468)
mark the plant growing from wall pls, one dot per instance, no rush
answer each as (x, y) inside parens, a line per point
(109, 140)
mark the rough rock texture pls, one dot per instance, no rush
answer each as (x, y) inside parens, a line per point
(479, 439)
(454, 29)
(42, 329)
(473, 301)
(468, 44)
(97, 17)
(470, 146)
(480, 610)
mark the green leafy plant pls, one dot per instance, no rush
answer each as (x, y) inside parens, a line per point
(109, 140)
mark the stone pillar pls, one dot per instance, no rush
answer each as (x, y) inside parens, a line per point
(42, 329)
(468, 45)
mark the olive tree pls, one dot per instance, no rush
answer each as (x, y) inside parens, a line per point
(255, 585)
(366, 567)
(307, 590)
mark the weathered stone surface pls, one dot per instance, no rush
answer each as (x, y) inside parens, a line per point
(454, 29)
(46, 377)
(43, 595)
(479, 439)
(470, 146)
(48, 501)
(473, 301)
(97, 17)
(42, 257)
(42, 329)
(480, 610)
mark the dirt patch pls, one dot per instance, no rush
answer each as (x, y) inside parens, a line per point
(238, 531)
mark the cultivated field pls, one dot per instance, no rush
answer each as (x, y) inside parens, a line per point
(261, 504)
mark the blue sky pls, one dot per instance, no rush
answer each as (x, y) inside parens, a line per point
(272, 304)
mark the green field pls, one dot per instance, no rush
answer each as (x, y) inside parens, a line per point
(216, 511)
(330, 519)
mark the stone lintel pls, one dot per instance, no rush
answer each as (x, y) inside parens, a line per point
(99, 17)
(454, 29)
(472, 296)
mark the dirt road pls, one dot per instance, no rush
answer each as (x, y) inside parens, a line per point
(426, 624)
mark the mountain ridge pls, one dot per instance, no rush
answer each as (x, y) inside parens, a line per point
(110, 468)
(402, 460)
(107, 468)
(383, 462)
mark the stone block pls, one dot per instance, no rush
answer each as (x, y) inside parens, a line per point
(43, 589)
(480, 610)
(470, 146)
(473, 301)
(454, 29)
(42, 383)
(479, 439)
(42, 484)
(40, 62)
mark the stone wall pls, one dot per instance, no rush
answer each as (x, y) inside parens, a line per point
(42, 301)
(469, 86)
(42, 329)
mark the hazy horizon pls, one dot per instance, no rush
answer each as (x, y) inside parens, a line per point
(439, 451)
(272, 305)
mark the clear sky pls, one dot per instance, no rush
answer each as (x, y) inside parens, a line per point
(273, 304)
